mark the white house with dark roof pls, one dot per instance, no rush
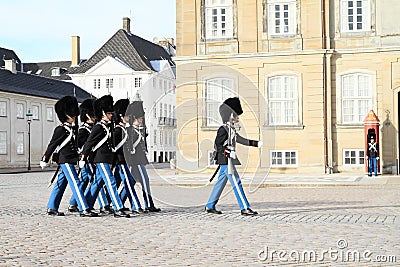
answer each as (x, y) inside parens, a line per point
(24, 138)
(128, 66)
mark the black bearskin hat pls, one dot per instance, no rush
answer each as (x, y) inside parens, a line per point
(66, 107)
(135, 109)
(120, 108)
(86, 108)
(230, 105)
(103, 104)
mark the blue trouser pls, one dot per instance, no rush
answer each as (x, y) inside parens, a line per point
(85, 176)
(374, 162)
(219, 187)
(128, 191)
(103, 176)
(69, 176)
(122, 174)
(140, 175)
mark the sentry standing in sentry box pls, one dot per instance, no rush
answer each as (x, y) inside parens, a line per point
(225, 143)
(65, 150)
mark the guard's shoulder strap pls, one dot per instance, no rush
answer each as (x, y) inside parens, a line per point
(138, 139)
(120, 144)
(102, 141)
(66, 140)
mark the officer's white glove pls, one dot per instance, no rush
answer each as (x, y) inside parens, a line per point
(377, 158)
(82, 164)
(232, 155)
(260, 144)
(43, 164)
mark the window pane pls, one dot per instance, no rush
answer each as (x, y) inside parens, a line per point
(3, 109)
(20, 143)
(49, 112)
(35, 112)
(3, 143)
(20, 111)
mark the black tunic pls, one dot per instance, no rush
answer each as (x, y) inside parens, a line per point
(83, 134)
(69, 152)
(221, 144)
(104, 153)
(119, 135)
(138, 153)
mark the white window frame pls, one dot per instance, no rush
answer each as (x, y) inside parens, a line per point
(281, 102)
(3, 143)
(283, 153)
(49, 114)
(96, 84)
(359, 157)
(138, 82)
(354, 16)
(282, 17)
(110, 83)
(217, 90)
(35, 112)
(20, 144)
(351, 104)
(155, 137)
(19, 110)
(218, 19)
(3, 108)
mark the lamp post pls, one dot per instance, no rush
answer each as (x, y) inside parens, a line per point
(29, 120)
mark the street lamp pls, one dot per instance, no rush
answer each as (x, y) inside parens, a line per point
(29, 115)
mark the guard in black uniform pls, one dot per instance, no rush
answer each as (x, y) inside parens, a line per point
(137, 148)
(225, 143)
(87, 120)
(63, 148)
(100, 143)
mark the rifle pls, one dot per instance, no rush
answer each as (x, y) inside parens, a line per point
(54, 177)
(230, 144)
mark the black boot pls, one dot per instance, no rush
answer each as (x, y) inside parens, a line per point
(106, 210)
(88, 213)
(248, 212)
(73, 208)
(153, 209)
(121, 213)
(213, 211)
(54, 212)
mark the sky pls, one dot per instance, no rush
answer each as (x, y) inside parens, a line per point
(41, 30)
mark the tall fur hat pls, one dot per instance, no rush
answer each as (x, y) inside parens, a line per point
(120, 108)
(230, 105)
(66, 107)
(135, 109)
(103, 104)
(86, 108)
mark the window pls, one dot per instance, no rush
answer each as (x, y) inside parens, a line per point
(283, 158)
(356, 97)
(165, 110)
(49, 114)
(55, 72)
(3, 143)
(122, 83)
(20, 143)
(155, 137)
(3, 109)
(35, 112)
(353, 156)
(96, 83)
(155, 111)
(282, 100)
(20, 111)
(138, 82)
(160, 113)
(217, 90)
(161, 137)
(282, 17)
(109, 83)
(355, 15)
(218, 19)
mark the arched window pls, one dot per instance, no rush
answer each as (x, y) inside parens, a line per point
(217, 90)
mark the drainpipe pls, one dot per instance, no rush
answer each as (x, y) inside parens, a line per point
(324, 88)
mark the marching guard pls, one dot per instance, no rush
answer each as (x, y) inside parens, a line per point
(121, 169)
(63, 148)
(225, 143)
(137, 149)
(100, 143)
(87, 120)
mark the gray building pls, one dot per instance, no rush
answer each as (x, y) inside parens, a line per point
(22, 94)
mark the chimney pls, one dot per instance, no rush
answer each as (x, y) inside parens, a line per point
(126, 24)
(11, 65)
(76, 57)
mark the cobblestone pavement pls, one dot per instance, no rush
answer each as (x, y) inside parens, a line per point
(337, 223)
